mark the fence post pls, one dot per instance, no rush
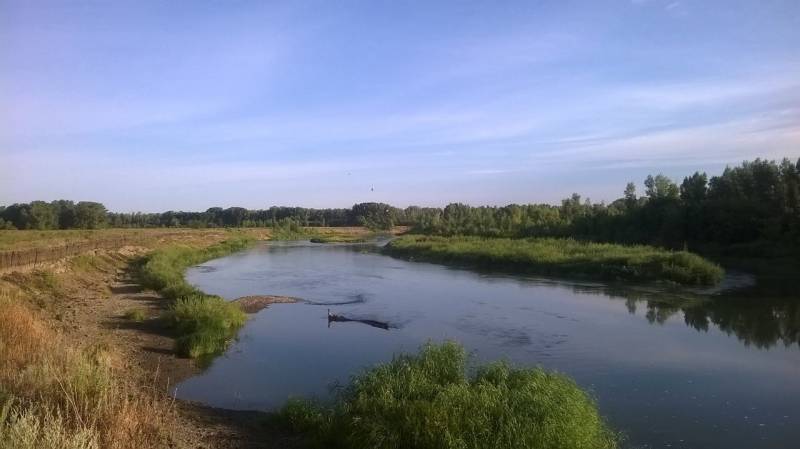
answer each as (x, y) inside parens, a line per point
(35, 257)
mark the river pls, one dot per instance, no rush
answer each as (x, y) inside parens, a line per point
(669, 367)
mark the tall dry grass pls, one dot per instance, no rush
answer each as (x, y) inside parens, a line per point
(55, 394)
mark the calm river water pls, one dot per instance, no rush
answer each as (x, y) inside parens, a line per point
(668, 368)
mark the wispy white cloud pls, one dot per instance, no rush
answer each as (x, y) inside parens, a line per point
(713, 92)
(767, 137)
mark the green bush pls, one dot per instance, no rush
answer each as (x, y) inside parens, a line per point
(562, 257)
(204, 324)
(427, 401)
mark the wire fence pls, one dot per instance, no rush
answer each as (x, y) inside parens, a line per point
(33, 257)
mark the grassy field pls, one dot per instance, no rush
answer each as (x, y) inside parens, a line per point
(562, 257)
(21, 240)
(428, 401)
(330, 234)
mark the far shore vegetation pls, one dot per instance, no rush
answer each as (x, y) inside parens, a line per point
(561, 257)
(748, 210)
(337, 239)
(430, 401)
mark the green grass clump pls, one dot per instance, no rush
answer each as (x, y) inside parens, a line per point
(566, 257)
(428, 401)
(204, 324)
(136, 315)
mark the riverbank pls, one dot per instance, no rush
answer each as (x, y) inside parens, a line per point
(561, 257)
(86, 361)
(203, 324)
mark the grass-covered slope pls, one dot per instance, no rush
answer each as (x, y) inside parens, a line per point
(428, 401)
(204, 323)
(59, 392)
(565, 257)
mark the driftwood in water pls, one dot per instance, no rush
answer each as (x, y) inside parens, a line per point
(253, 304)
(342, 319)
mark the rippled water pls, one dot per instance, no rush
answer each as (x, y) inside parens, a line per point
(669, 368)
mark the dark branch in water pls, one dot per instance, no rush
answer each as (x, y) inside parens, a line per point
(379, 324)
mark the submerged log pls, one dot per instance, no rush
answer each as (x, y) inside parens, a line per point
(343, 319)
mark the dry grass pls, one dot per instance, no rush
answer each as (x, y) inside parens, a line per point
(152, 238)
(57, 394)
(19, 240)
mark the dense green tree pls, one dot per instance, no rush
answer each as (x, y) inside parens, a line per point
(41, 215)
(378, 216)
(234, 216)
(694, 189)
(630, 199)
(65, 210)
(90, 215)
(660, 188)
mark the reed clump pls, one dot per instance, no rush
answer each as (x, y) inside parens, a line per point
(204, 324)
(429, 401)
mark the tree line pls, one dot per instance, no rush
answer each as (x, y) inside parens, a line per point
(750, 204)
(63, 214)
(753, 204)
(59, 214)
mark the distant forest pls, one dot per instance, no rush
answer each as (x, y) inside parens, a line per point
(751, 205)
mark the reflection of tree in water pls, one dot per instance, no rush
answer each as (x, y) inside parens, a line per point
(756, 317)
(761, 322)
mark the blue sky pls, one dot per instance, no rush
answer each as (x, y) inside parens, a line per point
(185, 105)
